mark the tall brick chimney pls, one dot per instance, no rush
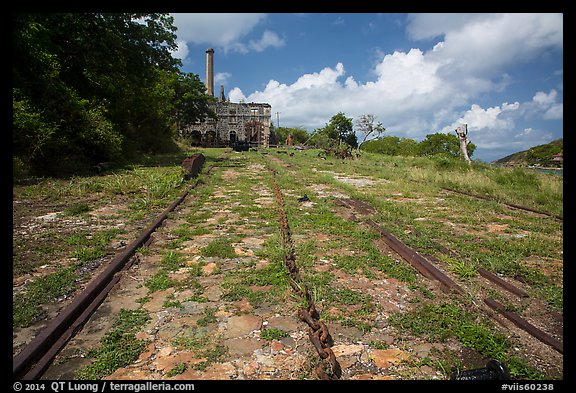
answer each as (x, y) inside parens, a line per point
(210, 72)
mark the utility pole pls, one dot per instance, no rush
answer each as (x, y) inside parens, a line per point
(278, 119)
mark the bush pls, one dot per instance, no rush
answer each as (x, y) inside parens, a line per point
(447, 162)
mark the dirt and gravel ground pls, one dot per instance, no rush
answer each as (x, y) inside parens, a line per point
(206, 304)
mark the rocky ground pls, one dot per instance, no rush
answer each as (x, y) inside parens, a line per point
(220, 303)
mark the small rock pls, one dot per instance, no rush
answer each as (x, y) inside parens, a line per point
(385, 358)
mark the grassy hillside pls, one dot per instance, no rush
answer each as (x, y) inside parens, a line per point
(538, 155)
(222, 250)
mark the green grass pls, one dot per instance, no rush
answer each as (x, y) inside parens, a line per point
(77, 209)
(27, 305)
(208, 317)
(171, 261)
(273, 334)
(407, 194)
(178, 369)
(450, 320)
(118, 347)
(221, 247)
(204, 345)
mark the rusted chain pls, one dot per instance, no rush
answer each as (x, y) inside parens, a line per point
(317, 330)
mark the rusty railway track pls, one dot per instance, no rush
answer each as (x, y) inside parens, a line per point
(428, 269)
(34, 359)
(524, 208)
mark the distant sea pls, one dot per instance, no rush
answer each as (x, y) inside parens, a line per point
(559, 172)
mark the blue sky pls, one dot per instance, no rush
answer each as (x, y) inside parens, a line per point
(502, 74)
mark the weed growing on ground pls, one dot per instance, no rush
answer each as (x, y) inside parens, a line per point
(118, 347)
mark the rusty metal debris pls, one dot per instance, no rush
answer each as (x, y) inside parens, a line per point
(317, 330)
(490, 276)
(191, 165)
(355, 204)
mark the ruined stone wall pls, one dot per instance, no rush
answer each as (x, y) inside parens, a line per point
(236, 122)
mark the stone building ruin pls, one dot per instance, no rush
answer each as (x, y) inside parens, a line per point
(236, 122)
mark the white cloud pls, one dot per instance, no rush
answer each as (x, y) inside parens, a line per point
(414, 93)
(548, 104)
(219, 29)
(182, 51)
(428, 26)
(236, 95)
(543, 106)
(222, 77)
(495, 128)
(544, 99)
(555, 112)
(482, 119)
(268, 39)
(225, 31)
(481, 45)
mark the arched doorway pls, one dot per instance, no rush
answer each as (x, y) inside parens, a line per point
(253, 132)
(196, 138)
(211, 140)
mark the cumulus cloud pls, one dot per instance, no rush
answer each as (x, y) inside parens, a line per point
(495, 128)
(481, 44)
(548, 104)
(268, 39)
(218, 29)
(222, 77)
(417, 92)
(226, 31)
(182, 51)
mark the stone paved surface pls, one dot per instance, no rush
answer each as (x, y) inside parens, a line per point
(215, 330)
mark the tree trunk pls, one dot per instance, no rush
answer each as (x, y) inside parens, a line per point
(464, 141)
(464, 150)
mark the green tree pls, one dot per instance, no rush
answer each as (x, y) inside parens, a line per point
(407, 147)
(366, 126)
(392, 145)
(191, 104)
(343, 127)
(90, 86)
(323, 138)
(338, 130)
(385, 145)
(299, 135)
(440, 143)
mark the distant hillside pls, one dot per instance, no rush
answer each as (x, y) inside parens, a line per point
(541, 155)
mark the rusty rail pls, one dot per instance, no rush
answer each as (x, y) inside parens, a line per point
(525, 325)
(32, 361)
(555, 216)
(504, 284)
(317, 330)
(491, 276)
(416, 260)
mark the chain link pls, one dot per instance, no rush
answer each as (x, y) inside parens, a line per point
(317, 330)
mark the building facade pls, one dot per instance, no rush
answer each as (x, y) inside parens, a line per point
(236, 122)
